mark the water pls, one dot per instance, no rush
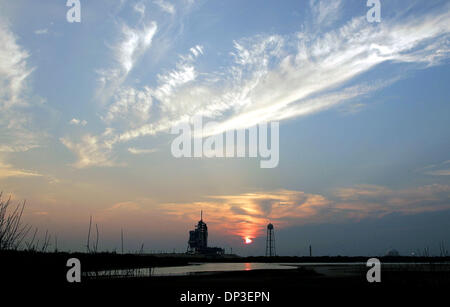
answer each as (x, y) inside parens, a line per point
(329, 269)
(218, 267)
(194, 268)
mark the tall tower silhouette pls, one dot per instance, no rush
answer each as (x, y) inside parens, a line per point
(198, 238)
(270, 241)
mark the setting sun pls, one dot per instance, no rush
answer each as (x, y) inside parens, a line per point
(248, 240)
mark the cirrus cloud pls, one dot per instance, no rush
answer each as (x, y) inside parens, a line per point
(276, 77)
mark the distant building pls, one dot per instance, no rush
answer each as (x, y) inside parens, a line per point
(198, 241)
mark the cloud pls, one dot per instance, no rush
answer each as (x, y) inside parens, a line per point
(132, 45)
(271, 82)
(126, 206)
(41, 31)
(440, 169)
(77, 122)
(90, 152)
(131, 108)
(325, 12)
(369, 200)
(14, 70)
(277, 77)
(9, 148)
(184, 73)
(165, 6)
(140, 151)
(442, 172)
(140, 8)
(7, 171)
(246, 215)
(130, 105)
(16, 121)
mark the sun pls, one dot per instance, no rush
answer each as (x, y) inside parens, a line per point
(247, 240)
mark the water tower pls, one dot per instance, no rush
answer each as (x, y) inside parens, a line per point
(270, 241)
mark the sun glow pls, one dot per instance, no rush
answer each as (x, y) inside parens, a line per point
(247, 240)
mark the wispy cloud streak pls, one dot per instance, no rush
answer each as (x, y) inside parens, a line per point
(278, 77)
(246, 215)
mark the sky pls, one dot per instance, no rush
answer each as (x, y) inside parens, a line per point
(86, 110)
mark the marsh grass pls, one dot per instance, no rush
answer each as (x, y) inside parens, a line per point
(12, 230)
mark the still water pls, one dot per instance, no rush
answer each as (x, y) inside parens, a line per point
(218, 267)
(194, 268)
(328, 269)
